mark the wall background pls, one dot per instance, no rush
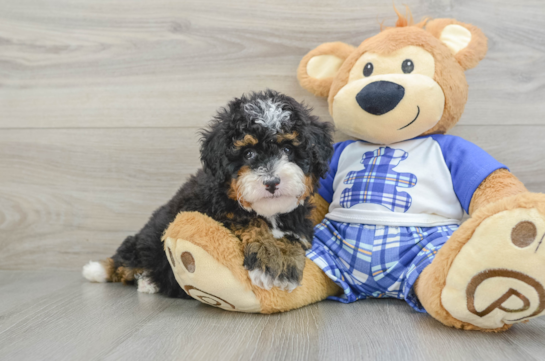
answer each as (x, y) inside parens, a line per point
(100, 101)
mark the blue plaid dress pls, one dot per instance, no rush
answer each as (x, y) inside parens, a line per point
(376, 261)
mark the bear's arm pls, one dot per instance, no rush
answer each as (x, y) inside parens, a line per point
(477, 178)
(498, 185)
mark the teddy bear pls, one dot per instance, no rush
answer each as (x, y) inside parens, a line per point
(389, 213)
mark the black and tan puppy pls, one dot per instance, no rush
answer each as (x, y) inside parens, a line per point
(262, 157)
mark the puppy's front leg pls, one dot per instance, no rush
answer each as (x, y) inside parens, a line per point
(293, 257)
(264, 260)
(271, 262)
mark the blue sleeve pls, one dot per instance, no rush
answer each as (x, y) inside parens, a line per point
(469, 165)
(326, 184)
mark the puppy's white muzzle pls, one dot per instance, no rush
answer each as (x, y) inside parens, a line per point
(285, 197)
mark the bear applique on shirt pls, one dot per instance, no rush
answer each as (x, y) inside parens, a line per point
(423, 182)
(378, 181)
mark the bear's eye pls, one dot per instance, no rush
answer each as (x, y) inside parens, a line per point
(368, 69)
(250, 154)
(407, 66)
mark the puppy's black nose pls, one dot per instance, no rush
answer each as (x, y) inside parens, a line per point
(380, 97)
(271, 184)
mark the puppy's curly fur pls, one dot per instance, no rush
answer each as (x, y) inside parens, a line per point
(262, 157)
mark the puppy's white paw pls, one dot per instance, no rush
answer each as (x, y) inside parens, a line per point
(261, 279)
(95, 272)
(286, 285)
(146, 286)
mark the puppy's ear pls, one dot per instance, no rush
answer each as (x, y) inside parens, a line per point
(320, 138)
(320, 66)
(213, 150)
(467, 43)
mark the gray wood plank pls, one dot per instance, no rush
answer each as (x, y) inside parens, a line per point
(20, 288)
(529, 337)
(79, 193)
(232, 336)
(84, 321)
(80, 321)
(389, 329)
(507, 86)
(163, 63)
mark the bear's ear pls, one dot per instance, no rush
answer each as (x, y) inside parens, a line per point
(318, 68)
(467, 43)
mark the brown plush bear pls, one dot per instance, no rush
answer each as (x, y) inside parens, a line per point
(389, 211)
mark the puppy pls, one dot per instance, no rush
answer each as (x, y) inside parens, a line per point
(262, 157)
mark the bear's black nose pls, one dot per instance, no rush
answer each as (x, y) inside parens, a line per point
(380, 97)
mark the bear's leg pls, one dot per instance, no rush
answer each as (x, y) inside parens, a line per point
(491, 273)
(207, 260)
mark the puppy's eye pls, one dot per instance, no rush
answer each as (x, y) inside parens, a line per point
(250, 154)
(287, 150)
(368, 69)
(407, 66)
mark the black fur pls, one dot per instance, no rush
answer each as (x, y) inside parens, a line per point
(207, 191)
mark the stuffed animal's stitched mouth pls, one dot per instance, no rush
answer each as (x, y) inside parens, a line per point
(414, 120)
(539, 244)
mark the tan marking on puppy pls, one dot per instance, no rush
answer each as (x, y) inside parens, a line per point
(257, 229)
(121, 274)
(108, 265)
(287, 137)
(310, 181)
(247, 140)
(321, 207)
(234, 191)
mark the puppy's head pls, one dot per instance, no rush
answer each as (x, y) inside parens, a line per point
(269, 150)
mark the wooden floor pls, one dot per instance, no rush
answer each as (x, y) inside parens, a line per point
(53, 315)
(100, 104)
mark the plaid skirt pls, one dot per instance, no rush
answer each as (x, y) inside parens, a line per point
(376, 261)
